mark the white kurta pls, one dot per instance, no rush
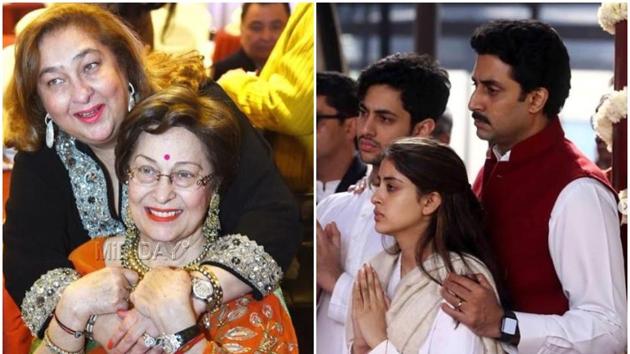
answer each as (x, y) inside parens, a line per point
(415, 322)
(586, 251)
(354, 216)
(445, 337)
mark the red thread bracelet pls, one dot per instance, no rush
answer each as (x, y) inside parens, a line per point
(75, 334)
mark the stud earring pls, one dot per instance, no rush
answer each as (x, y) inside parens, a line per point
(50, 131)
(132, 99)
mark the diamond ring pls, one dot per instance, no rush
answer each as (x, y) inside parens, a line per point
(149, 341)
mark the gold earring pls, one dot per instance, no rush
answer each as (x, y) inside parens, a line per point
(212, 224)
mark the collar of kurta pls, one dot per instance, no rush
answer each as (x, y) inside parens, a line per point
(534, 145)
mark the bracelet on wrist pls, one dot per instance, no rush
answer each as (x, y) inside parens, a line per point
(89, 328)
(75, 334)
(56, 349)
(186, 347)
(173, 343)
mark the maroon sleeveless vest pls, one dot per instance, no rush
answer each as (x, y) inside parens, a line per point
(518, 196)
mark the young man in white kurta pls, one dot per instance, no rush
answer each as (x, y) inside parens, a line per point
(400, 95)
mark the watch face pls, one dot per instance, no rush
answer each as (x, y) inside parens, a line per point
(509, 326)
(202, 289)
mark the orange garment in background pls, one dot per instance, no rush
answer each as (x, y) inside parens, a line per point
(16, 337)
(243, 323)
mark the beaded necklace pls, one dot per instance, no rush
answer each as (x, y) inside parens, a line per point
(131, 260)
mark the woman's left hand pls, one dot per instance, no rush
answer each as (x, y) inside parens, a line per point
(371, 306)
(129, 335)
(164, 296)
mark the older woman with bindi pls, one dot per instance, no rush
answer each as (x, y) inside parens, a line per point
(173, 199)
(79, 70)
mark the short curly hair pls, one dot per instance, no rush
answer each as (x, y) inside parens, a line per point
(535, 52)
(210, 120)
(424, 85)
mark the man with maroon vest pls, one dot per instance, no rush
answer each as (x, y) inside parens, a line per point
(551, 213)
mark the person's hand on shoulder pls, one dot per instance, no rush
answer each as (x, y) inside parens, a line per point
(359, 187)
(473, 303)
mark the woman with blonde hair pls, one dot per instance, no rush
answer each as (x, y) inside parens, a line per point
(78, 71)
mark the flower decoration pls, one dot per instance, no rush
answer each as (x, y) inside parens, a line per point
(610, 13)
(611, 111)
(622, 206)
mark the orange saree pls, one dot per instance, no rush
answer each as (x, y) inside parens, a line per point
(243, 325)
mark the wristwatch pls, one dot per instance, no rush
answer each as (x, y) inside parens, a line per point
(207, 288)
(202, 289)
(509, 328)
(171, 343)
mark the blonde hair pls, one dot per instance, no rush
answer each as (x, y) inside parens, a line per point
(24, 109)
(165, 70)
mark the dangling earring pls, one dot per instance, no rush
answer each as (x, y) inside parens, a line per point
(212, 225)
(129, 224)
(50, 131)
(132, 99)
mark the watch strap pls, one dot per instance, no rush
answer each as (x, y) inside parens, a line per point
(171, 343)
(506, 337)
(191, 343)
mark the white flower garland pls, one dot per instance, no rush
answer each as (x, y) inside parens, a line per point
(623, 206)
(613, 110)
(610, 13)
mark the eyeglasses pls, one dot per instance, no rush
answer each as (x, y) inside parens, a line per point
(149, 176)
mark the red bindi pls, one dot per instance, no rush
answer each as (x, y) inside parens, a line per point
(167, 157)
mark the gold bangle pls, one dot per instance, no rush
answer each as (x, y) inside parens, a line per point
(55, 349)
(217, 294)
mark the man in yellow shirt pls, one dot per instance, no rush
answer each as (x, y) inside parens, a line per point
(280, 99)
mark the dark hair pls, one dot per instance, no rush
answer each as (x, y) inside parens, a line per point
(179, 106)
(137, 16)
(424, 86)
(246, 6)
(536, 54)
(444, 125)
(340, 92)
(457, 225)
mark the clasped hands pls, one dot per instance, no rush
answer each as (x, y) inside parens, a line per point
(128, 309)
(369, 305)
